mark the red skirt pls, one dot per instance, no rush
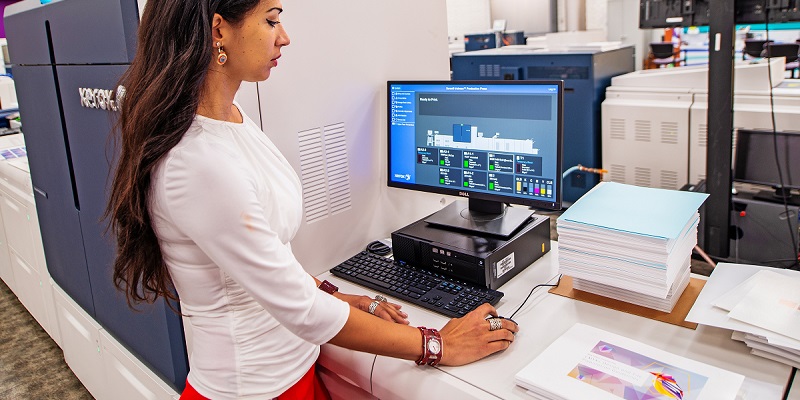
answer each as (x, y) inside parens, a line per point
(308, 387)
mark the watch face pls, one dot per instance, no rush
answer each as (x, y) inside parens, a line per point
(433, 346)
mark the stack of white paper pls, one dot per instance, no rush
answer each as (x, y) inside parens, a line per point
(771, 301)
(630, 243)
(589, 363)
(657, 303)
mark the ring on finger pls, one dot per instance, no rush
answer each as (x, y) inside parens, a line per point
(495, 324)
(373, 306)
(381, 298)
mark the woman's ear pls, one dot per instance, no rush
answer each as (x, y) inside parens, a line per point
(217, 27)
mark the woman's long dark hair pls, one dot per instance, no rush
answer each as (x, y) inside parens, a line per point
(163, 89)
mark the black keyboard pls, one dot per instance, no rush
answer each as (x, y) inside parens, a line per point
(424, 288)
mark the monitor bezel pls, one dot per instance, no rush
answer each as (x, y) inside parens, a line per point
(555, 204)
(738, 167)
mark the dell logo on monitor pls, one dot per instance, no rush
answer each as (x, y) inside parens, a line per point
(463, 194)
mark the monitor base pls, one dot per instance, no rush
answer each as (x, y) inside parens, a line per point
(459, 215)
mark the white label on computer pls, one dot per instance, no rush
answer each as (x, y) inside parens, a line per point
(504, 265)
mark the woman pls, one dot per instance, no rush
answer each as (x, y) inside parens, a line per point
(204, 203)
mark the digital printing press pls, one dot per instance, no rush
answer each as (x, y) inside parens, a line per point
(654, 127)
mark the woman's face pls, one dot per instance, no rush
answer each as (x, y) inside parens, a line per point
(254, 46)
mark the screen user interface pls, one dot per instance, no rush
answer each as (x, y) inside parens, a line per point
(499, 141)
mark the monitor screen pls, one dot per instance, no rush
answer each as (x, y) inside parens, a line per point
(497, 141)
(755, 158)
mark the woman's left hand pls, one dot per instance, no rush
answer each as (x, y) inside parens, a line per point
(384, 309)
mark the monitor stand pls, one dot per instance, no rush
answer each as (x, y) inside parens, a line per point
(481, 216)
(778, 196)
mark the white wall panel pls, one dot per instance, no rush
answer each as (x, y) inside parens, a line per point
(529, 16)
(468, 16)
(324, 83)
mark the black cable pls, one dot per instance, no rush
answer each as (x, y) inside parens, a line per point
(789, 384)
(531, 292)
(377, 247)
(783, 196)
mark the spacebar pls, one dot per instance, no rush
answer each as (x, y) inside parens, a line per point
(374, 281)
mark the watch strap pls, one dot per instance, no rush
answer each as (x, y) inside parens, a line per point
(429, 356)
(328, 287)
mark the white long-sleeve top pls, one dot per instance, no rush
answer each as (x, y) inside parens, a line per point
(224, 204)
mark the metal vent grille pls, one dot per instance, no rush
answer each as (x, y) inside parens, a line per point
(669, 132)
(702, 135)
(642, 131)
(402, 248)
(617, 128)
(336, 167)
(641, 176)
(669, 180)
(324, 170)
(489, 70)
(312, 168)
(617, 173)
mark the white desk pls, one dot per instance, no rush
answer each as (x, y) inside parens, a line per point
(543, 319)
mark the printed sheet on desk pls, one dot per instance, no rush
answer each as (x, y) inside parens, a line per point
(590, 363)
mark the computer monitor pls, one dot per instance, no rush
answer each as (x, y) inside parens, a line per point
(755, 161)
(493, 142)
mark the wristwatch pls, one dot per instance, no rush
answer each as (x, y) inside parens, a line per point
(328, 287)
(431, 347)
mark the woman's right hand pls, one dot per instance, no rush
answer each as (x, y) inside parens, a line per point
(469, 339)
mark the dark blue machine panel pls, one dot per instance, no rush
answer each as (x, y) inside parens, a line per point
(32, 32)
(586, 75)
(53, 179)
(58, 49)
(93, 31)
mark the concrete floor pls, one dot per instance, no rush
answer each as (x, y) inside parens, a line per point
(31, 364)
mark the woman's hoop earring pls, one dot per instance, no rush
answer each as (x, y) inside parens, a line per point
(222, 57)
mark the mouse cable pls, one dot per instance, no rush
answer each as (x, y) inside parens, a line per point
(531, 292)
(377, 247)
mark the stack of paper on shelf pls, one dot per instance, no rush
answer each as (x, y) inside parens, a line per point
(630, 243)
(771, 301)
(589, 363)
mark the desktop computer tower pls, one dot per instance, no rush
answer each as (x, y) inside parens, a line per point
(483, 260)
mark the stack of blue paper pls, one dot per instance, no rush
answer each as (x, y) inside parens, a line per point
(630, 243)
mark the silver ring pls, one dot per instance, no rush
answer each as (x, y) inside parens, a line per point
(373, 306)
(495, 324)
(381, 298)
